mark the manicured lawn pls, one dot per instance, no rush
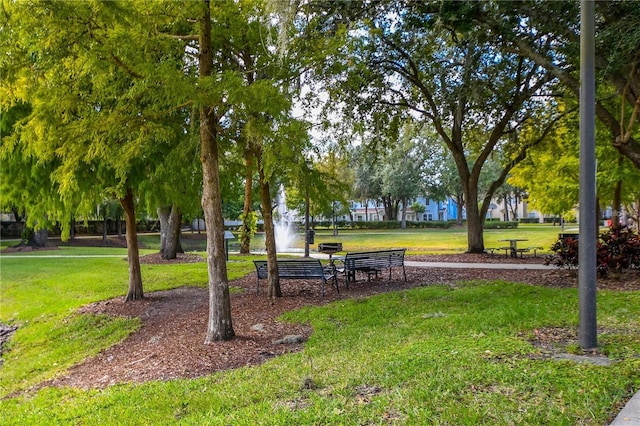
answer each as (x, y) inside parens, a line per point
(41, 290)
(430, 241)
(445, 354)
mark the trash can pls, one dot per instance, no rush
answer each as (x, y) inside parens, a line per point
(311, 234)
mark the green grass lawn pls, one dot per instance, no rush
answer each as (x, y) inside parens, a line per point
(446, 354)
(429, 241)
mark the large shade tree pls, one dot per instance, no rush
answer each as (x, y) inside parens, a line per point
(96, 119)
(415, 58)
(552, 181)
(526, 29)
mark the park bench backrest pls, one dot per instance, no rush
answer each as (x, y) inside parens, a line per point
(380, 259)
(296, 269)
(292, 268)
(396, 258)
(261, 269)
(300, 268)
(373, 261)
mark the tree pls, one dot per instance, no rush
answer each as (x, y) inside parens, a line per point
(22, 176)
(96, 120)
(554, 44)
(337, 179)
(173, 191)
(367, 183)
(552, 180)
(436, 64)
(210, 114)
(401, 174)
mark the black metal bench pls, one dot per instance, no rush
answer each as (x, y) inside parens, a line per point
(298, 269)
(371, 262)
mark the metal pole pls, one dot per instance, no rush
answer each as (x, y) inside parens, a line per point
(306, 213)
(333, 218)
(587, 280)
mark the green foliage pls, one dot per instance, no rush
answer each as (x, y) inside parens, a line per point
(617, 249)
(550, 174)
(496, 224)
(248, 228)
(616, 50)
(98, 123)
(378, 224)
(454, 78)
(419, 208)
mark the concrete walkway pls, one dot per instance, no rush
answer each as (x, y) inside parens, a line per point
(478, 265)
(630, 414)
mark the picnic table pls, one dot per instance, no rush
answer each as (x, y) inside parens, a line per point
(513, 246)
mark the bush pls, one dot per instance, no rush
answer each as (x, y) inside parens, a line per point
(529, 220)
(616, 249)
(429, 224)
(565, 254)
(377, 224)
(500, 225)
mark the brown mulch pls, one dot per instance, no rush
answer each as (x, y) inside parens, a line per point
(170, 342)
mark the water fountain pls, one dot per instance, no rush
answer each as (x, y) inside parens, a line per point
(284, 232)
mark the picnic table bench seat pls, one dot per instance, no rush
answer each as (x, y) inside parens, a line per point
(509, 250)
(534, 249)
(370, 263)
(298, 269)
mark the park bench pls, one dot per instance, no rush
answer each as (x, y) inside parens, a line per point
(298, 269)
(370, 263)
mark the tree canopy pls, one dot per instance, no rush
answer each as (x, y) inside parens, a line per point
(415, 59)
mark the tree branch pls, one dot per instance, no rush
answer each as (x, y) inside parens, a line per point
(118, 62)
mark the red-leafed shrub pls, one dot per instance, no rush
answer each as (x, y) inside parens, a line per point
(617, 249)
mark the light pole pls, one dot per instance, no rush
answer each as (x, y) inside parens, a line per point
(333, 218)
(587, 258)
(306, 208)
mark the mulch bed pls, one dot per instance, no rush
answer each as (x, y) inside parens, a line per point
(170, 342)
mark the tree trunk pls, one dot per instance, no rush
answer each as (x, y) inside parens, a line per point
(403, 224)
(245, 229)
(475, 223)
(38, 238)
(390, 208)
(119, 225)
(105, 236)
(163, 216)
(219, 326)
(459, 207)
(273, 289)
(616, 207)
(506, 209)
(170, 222)
(133, 256)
